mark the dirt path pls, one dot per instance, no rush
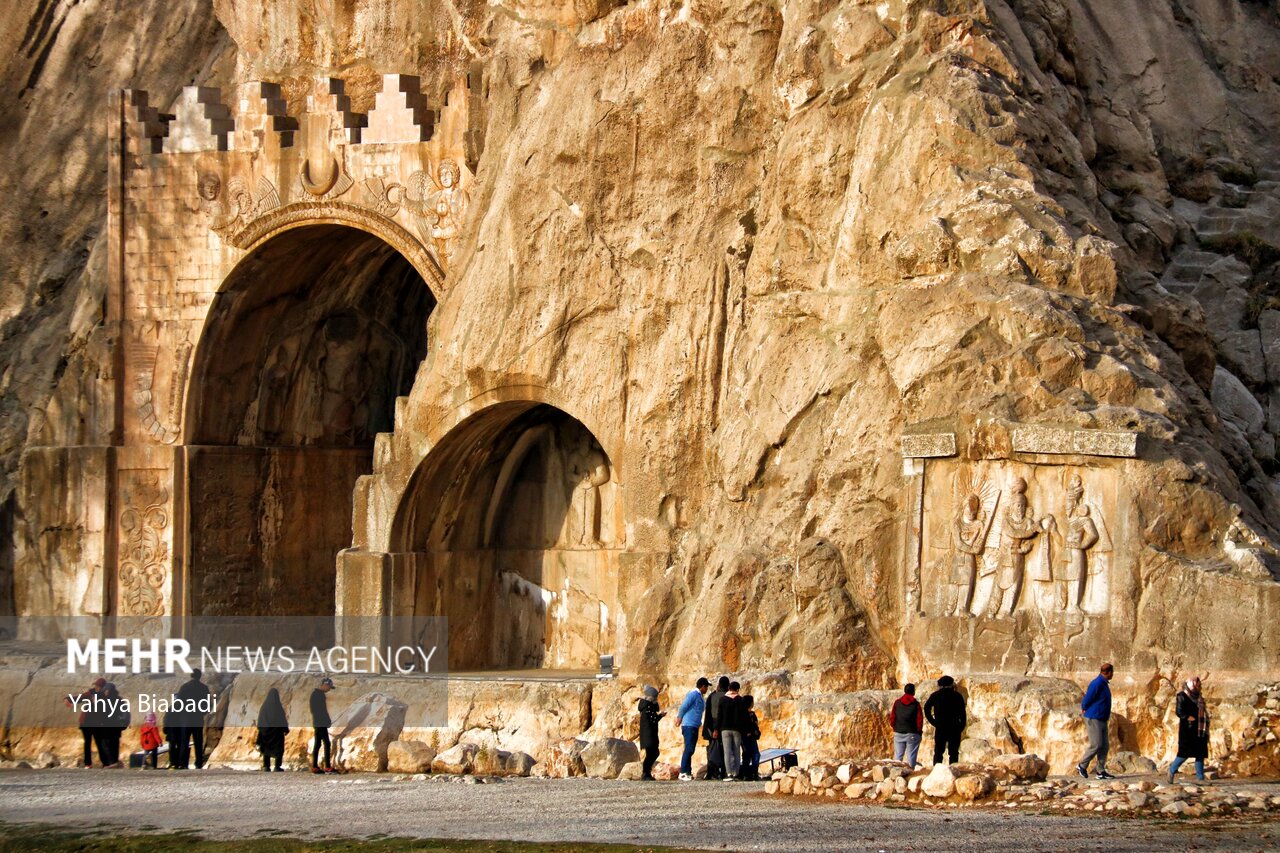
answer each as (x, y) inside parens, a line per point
(227, 804)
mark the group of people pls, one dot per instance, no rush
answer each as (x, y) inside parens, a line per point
(102, 728)
(727, 721)
(945, 711)
(1189, 707)
(184, 730)
(99, 728)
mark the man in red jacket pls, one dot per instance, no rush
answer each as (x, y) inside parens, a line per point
(907, 720)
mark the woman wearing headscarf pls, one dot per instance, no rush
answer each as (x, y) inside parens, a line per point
(114, 722)
(649, 717)
(1193, 728)
(272, 727)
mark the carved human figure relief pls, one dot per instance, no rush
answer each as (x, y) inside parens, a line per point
(588, 470)
(1018, 530)
(1082, 534)
(229, 212)
(977, 503)
(439, 203)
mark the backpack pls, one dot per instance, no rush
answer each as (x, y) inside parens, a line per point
(122, 719)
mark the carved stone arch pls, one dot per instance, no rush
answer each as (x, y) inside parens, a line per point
(512, 527)
(499, 402)
(303, 213)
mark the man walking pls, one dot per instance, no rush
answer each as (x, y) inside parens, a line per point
(1096, 707)
(907, 718)
(194, 691)
(320, 721)
(688, 718)
(733, 722)
(945, 711)
(711, 730)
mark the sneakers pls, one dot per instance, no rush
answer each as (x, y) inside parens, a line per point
(315, 769)
(1102, 774)
(685, 777)
(1081, 771)
(330, 770)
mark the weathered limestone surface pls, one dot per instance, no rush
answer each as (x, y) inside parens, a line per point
(744, 250)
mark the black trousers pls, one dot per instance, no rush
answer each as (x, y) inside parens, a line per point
(322, 737)
(715, 759)
(650, 758)
(184, 747)
(948, 740)
(268, 757)
(175, 754)
(87, 734)
(102, 740)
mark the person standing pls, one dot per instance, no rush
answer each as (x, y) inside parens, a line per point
(688, 718)
(649, 717)
(1096, 708)
(945, 711)
(172, 727)
(751, 742)
(84, 720)
(1193, 729)
(272, 728)
(907, 718)
(733, 721)
(321, 721)
(711, 730)
(149, 737)
(193, 696)
(114, 722)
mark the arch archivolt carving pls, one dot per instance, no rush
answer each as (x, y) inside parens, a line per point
(300, 213)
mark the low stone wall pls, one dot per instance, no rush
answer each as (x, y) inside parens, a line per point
(1014, 781)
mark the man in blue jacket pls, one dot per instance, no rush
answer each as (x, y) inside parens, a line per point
(1096, 707)
(689, 719)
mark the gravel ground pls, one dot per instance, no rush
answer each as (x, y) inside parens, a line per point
(228, 804)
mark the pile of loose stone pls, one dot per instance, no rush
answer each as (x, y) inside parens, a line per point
(1013, 781)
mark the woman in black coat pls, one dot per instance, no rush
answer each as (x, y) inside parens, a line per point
(649, 717)
(272, 727)
(1193, 729)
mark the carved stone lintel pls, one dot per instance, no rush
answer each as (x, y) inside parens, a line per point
(929, 445)
(1086, 442)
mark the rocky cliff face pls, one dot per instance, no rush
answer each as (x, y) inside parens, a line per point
(750, 244)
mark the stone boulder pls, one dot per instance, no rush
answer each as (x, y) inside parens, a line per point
(604, 759)
(1025, 767)
(941, 782)
(664, 772)
(975, 787)
(364, 731)
(460, 758)
(518, 764)
(564, 759)
(1130, 763)
(631, 771)
(409, 756)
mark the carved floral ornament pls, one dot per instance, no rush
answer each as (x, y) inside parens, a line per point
(437, 199)
(145, 553)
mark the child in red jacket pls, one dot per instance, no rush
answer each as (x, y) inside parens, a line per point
(151, 739)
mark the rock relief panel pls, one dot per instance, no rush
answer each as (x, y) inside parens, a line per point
(1002, 538)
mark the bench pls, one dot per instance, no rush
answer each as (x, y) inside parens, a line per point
(783, 754)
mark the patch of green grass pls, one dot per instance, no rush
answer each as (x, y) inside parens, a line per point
(14, 838)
